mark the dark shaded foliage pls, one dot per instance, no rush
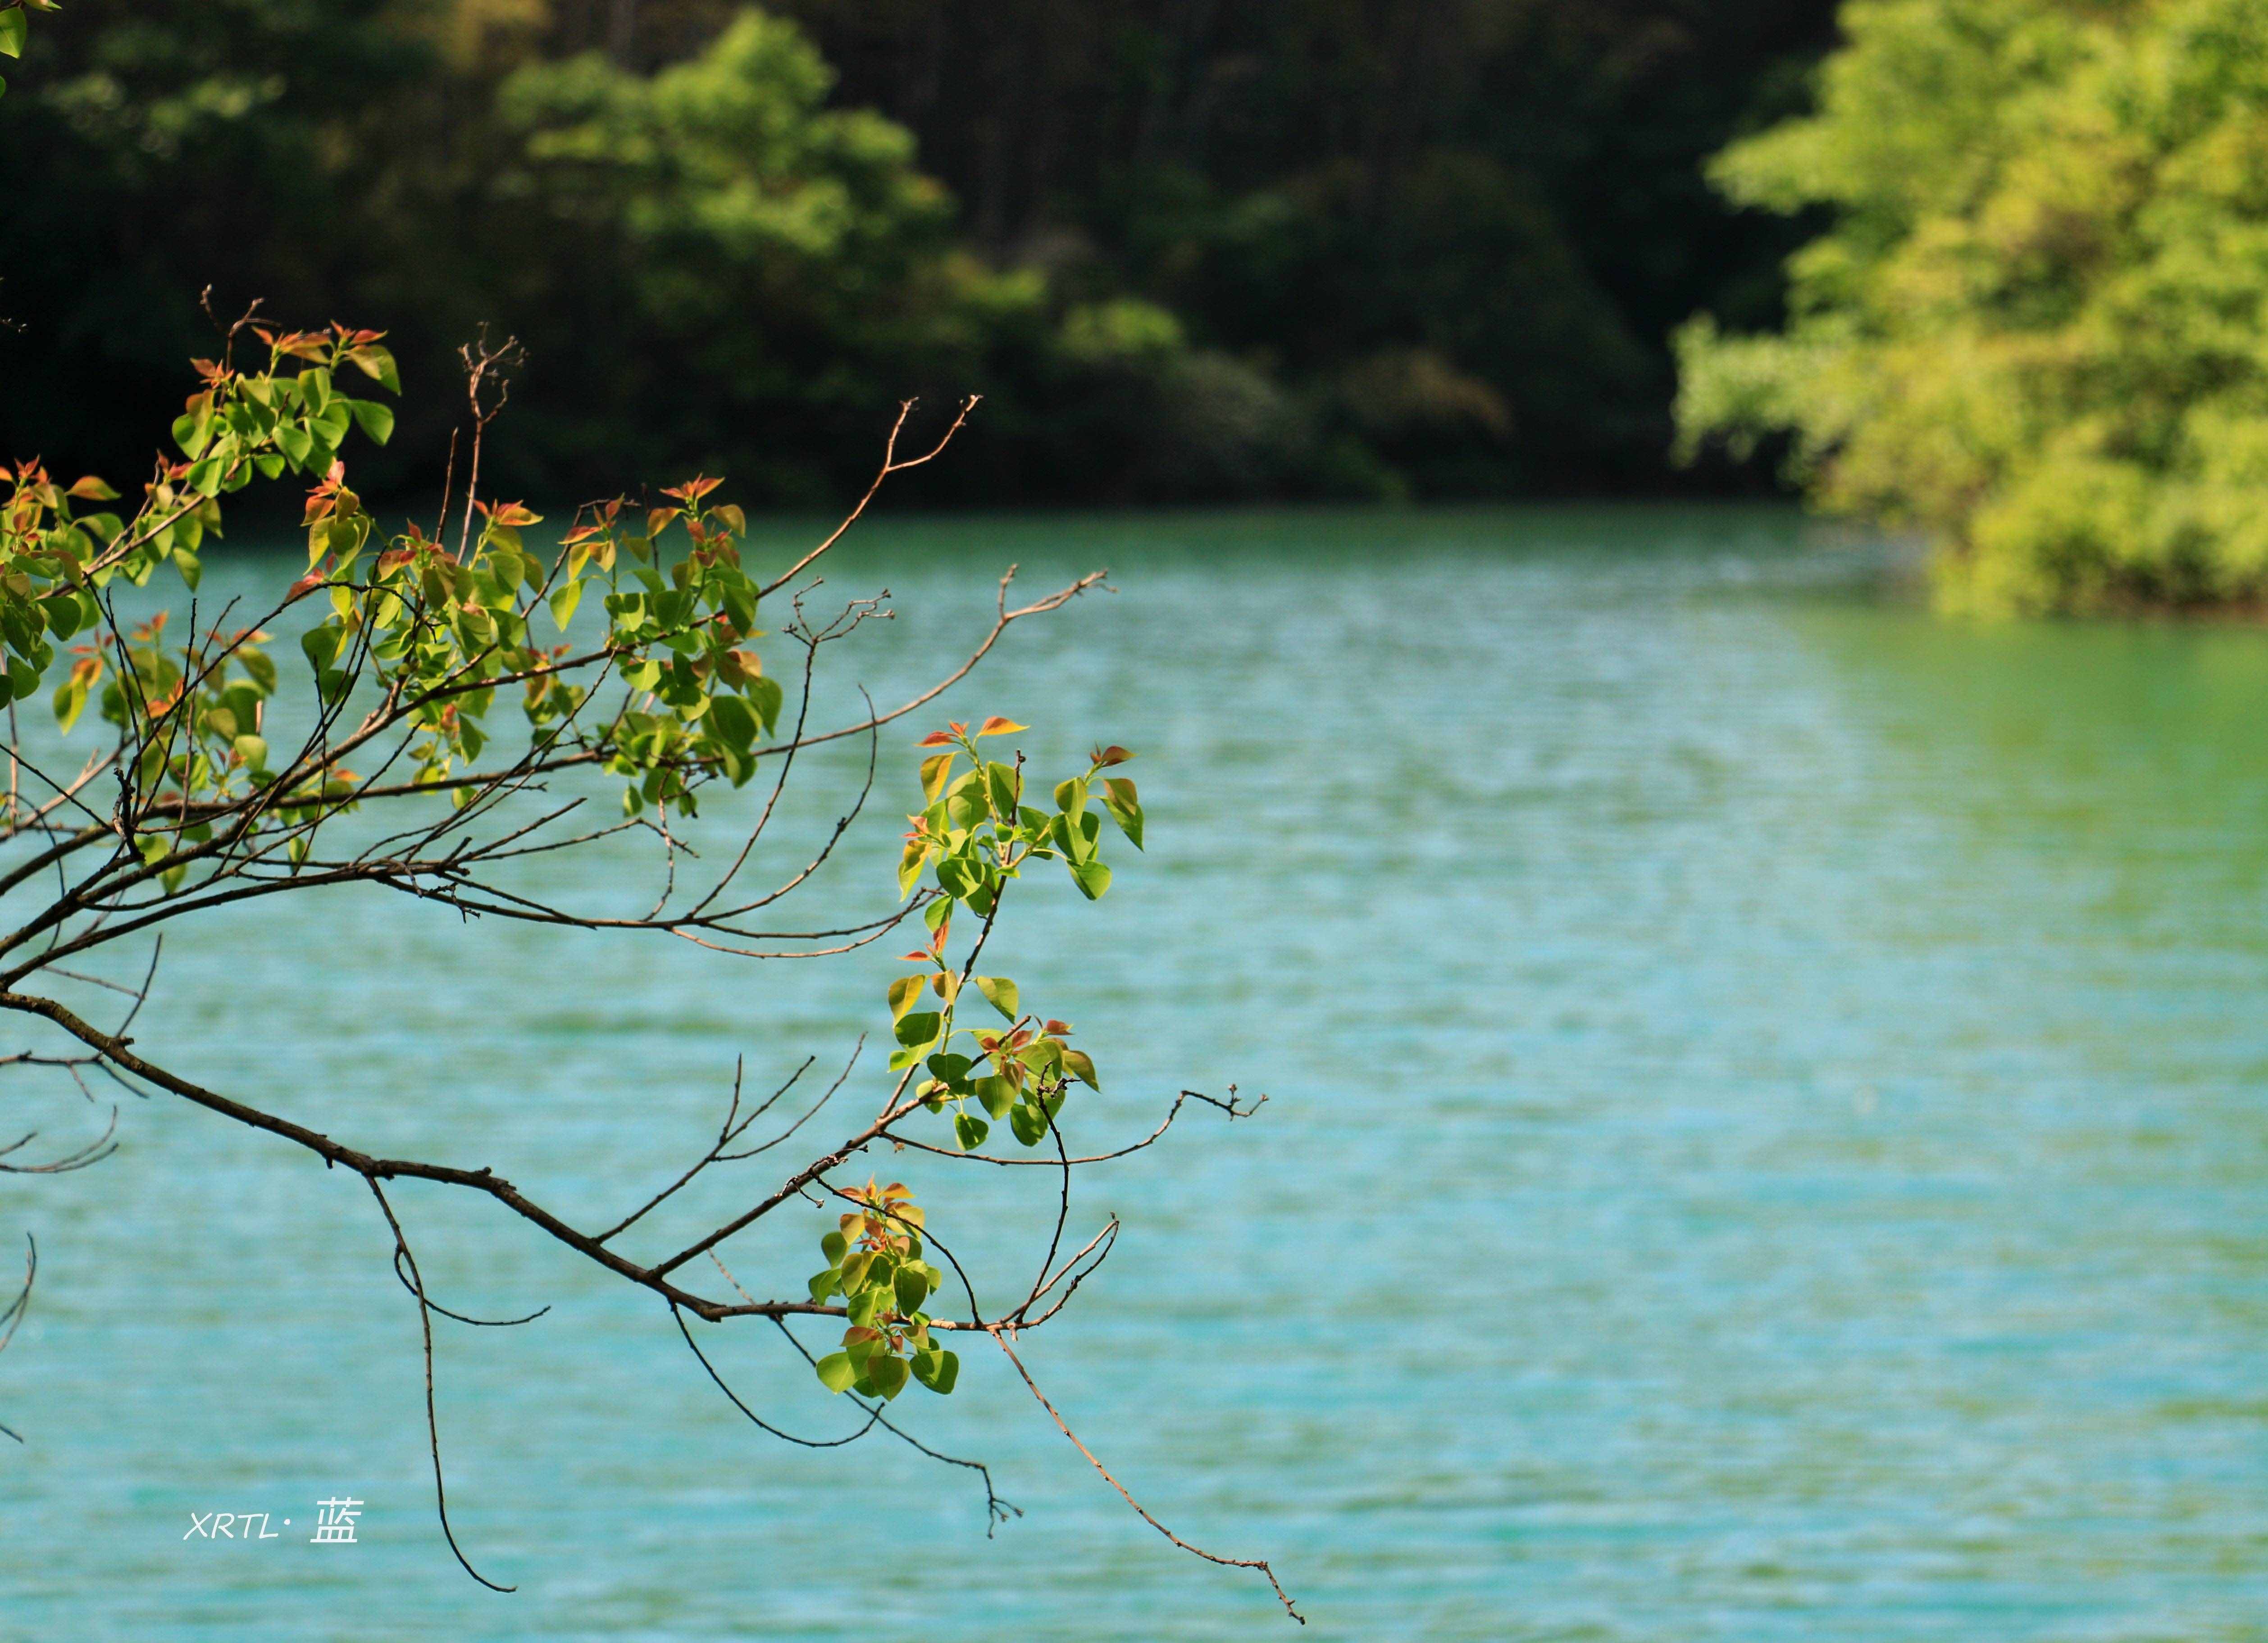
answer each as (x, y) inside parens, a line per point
(1371, 195)
(1400, 247)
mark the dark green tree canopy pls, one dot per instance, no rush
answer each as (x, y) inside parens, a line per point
(1229, 248)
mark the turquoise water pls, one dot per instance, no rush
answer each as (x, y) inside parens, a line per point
(1767, 1140)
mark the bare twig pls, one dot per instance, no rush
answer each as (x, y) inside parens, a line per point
(999, 1336)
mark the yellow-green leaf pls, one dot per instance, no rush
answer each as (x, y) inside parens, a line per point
(1000, 992)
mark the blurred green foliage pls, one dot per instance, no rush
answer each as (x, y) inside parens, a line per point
(1235, 247)
(2038, 326)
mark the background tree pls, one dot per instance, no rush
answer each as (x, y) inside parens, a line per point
(1456, 232)
(2035, 328)
(1186, 248)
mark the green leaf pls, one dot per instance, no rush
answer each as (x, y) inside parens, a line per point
(835, 1372)
(918, 1026)
(903, 991)
(252, 750)
(965, 803)
(1000, 782)
(1125, 809)
(562, 602)
(911, 1284)
(1081, 1065)
(958, 876)
(941, 1379)
(821, 1285)
(740, 609)
(1029, 1123)
(1071, 795)
(733, 720)
(13, 26)
(374, 419)
(290, 438)
(933, 772)
(1091, 877)
(889, 1375)
(766, 697)
(378, 365)
(1000, 992)
(970, 1130)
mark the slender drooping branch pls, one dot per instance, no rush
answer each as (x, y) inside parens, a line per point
(12, 1314)
(404, 1258)
(1000, 1339)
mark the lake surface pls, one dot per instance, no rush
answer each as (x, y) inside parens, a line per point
(1768, 1139)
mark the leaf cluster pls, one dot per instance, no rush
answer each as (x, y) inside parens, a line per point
(973, 837)
(874, 1263)
(436, 630)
